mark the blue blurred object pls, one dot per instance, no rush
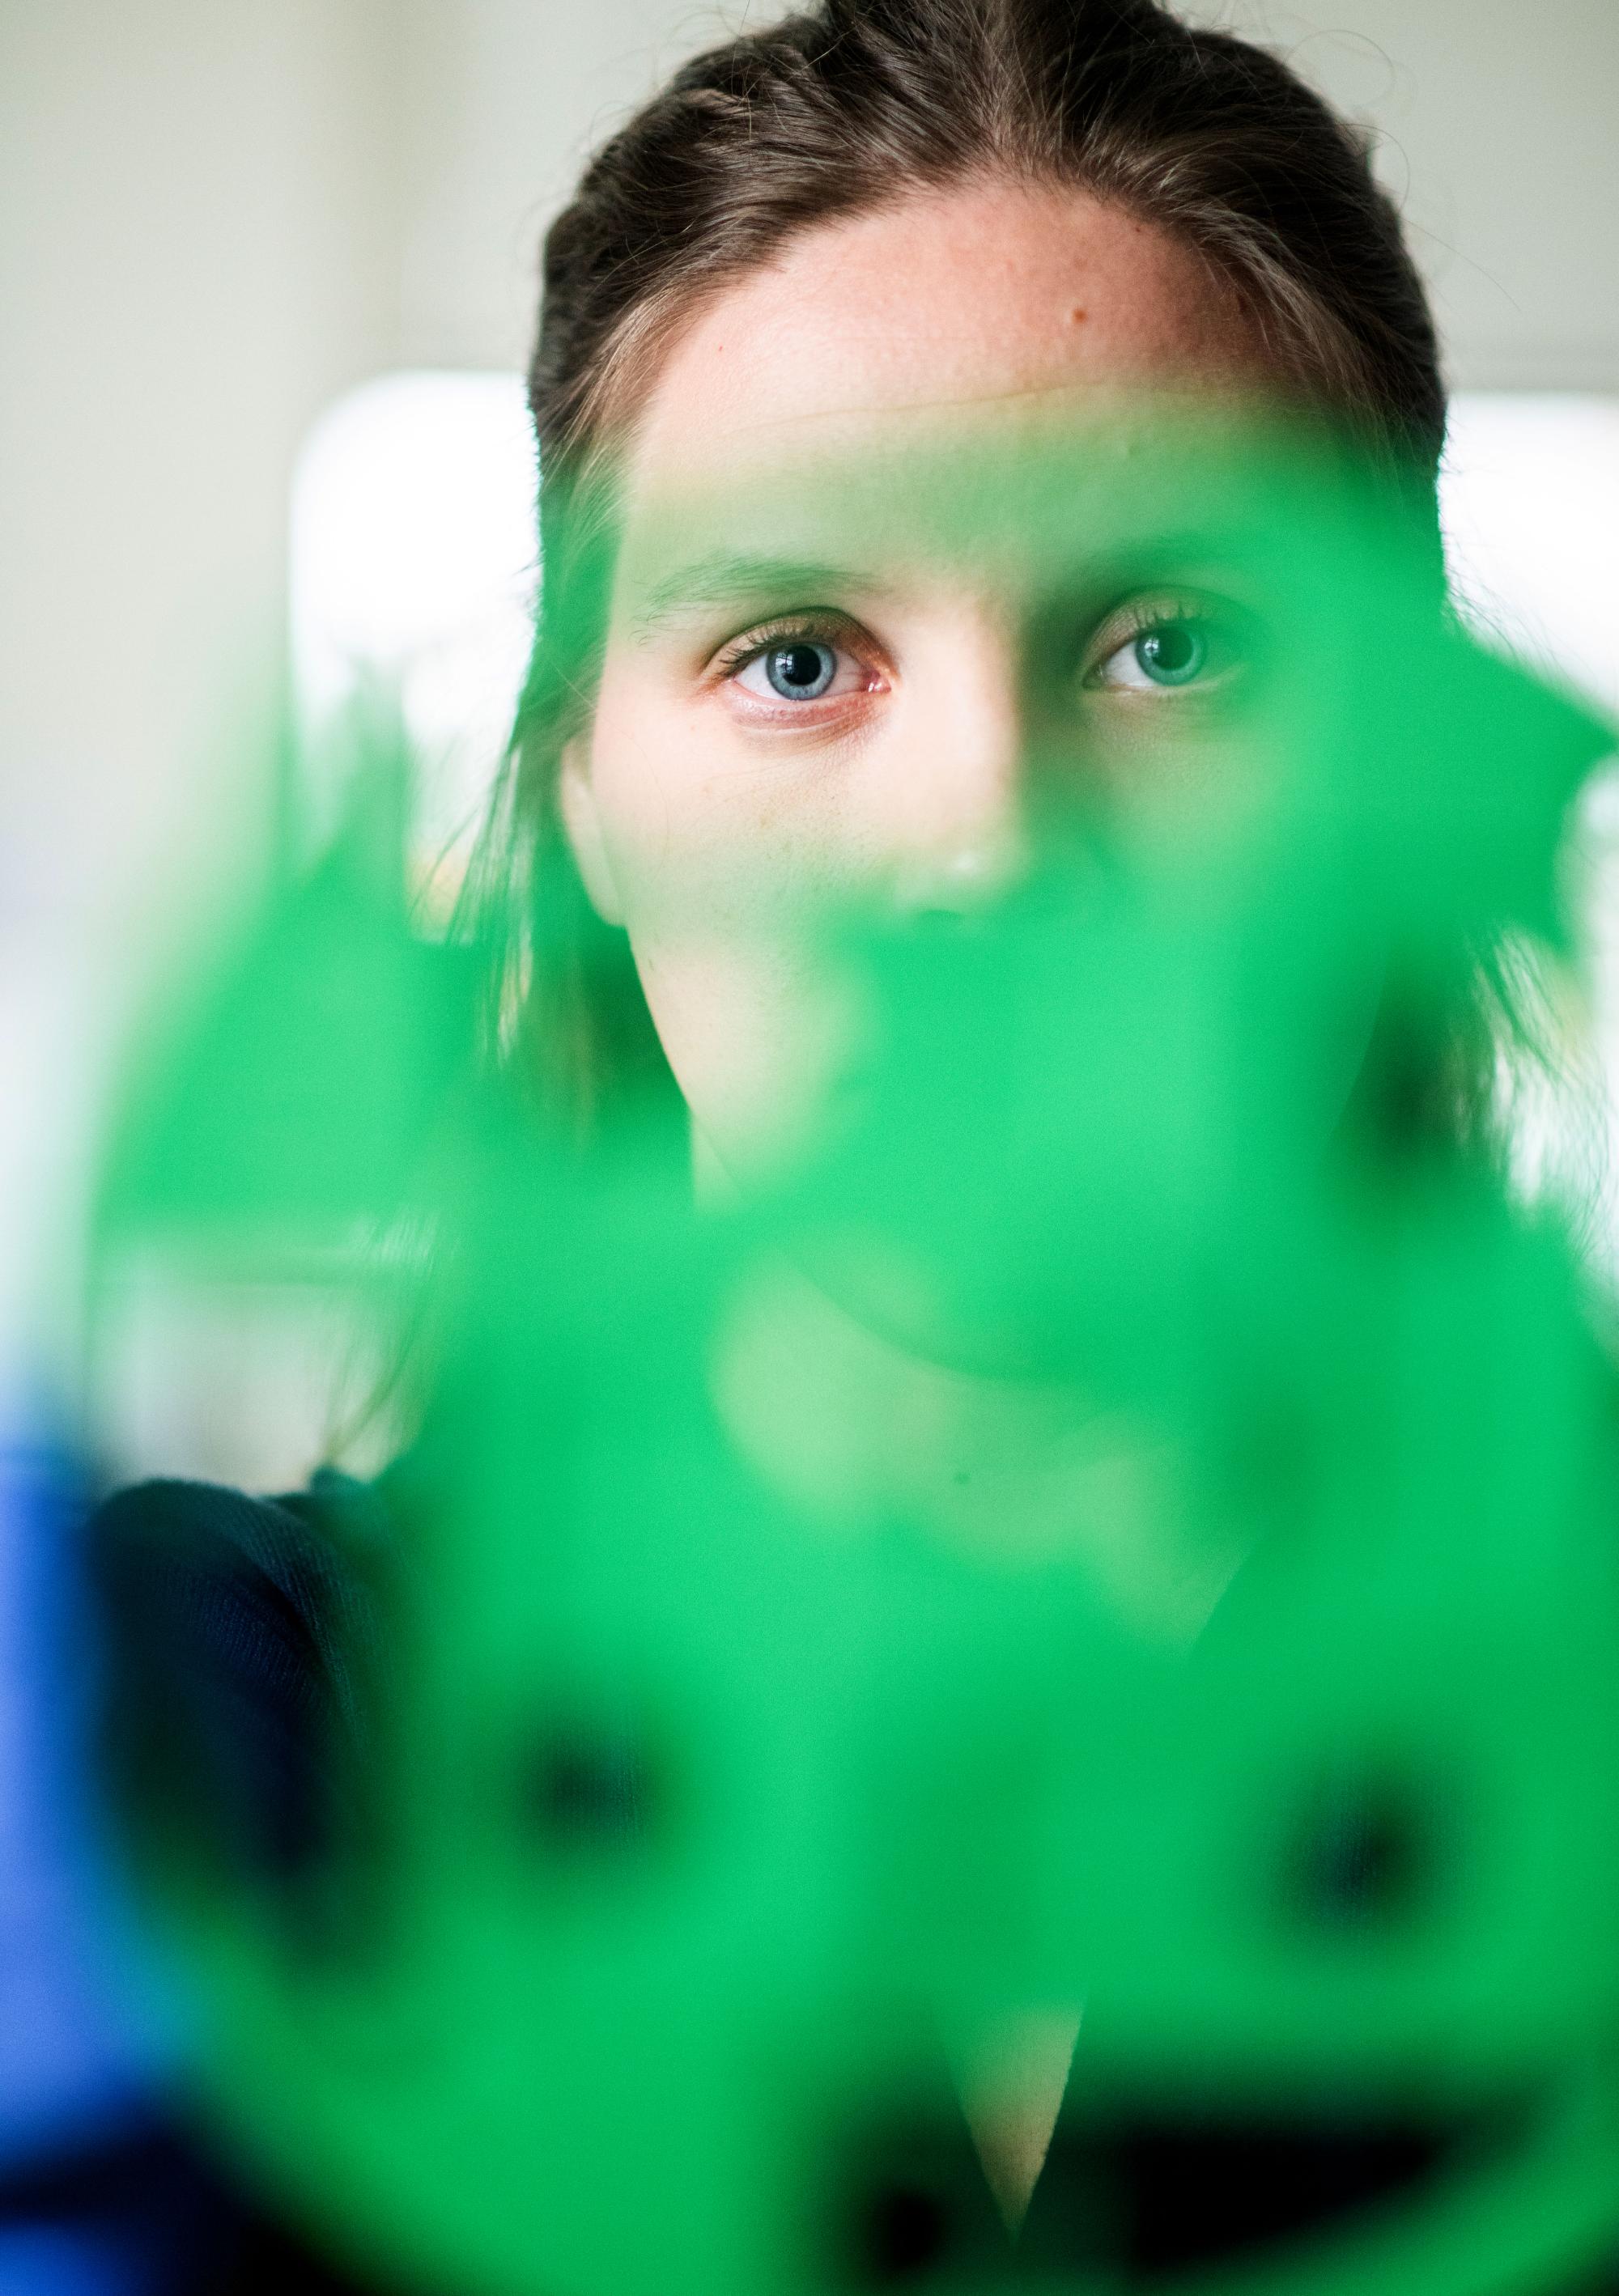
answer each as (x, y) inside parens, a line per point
(77, 2047)
(36, 2262)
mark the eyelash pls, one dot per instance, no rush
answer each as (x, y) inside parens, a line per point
(820, 628)
(1149, 611)
(827, 627)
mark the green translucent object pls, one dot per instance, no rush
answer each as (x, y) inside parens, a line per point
(721, 1779)
(297, 1087)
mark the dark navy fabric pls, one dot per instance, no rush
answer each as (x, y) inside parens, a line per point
(147, 2214)
(243, 1641)
(236, 1638)
(245, 1653)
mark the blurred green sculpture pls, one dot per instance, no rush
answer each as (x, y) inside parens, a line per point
(1119, 1523)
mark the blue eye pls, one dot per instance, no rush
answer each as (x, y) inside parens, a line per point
(801, 670)
(1173, 654)
(1163, 653)
(799, 664)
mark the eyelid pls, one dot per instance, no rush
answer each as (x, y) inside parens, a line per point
(1147, 610)
(828, 623)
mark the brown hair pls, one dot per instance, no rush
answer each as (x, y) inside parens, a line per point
(839, 112)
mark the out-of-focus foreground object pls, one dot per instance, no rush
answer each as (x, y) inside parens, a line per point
(678, 1798)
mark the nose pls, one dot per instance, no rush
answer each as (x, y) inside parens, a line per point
(962, 875)
(959, 831)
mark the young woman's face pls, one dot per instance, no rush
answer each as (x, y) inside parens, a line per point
(779, 727)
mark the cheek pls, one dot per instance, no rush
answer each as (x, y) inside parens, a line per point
(756, 1034)
(639, 784)
(724, 864)
(692, 830)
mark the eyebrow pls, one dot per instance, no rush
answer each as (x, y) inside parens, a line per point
(725, 578)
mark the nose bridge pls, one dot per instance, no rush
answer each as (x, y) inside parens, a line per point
(966, 834)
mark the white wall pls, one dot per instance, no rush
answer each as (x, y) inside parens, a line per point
(1498, 127)
(198, 227)
(1499, 133)
(503, 99)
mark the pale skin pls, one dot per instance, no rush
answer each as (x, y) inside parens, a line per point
(868, 738)
(904, 775)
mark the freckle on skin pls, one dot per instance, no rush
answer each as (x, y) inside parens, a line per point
(1076, 314)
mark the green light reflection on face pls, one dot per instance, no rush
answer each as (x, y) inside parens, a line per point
(709, 1786)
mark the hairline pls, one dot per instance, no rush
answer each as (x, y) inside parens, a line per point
(1317, 357)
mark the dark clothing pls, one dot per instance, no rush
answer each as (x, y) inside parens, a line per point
(242, 1636)
(246, 1657)
(238, 1638)
(161, 2220)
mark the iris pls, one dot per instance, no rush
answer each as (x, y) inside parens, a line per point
(1171, 653)
(802, 671)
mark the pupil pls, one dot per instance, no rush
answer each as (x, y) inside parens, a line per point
(801, 670)
(1173, 652)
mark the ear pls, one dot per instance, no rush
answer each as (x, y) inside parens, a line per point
(582, 823)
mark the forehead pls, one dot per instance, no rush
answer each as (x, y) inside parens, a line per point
(987, 295)
(1036, 502)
